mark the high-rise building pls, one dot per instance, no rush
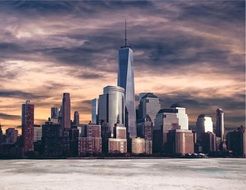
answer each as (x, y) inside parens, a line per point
(66, 110)
(203, 124)
(54, 114)
(208, 142)
(27, 126)
(111, 106)
(236, 141)
(138, 145)
(149, 105)
(126, 81)
(180, 141)
(66, 142)
(90, 141)
(118, 143)
(37, 133)
(172, 118)
(73, 137)
(76, 118)
(94, 111)
(220, 123)
(52, 139)
(145, 130)
(106, 134)
(11, 136)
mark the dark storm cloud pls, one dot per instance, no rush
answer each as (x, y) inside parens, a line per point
(9, 117)
(20, 94)
(36, 6)
(160, 50)
(234, 107)
(214, 11)
(91, 76)
(191, 100)
(83, 107)
(63, 7)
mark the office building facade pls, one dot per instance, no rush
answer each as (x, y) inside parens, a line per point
(145, 130)
(118, 143)
(180, 142)
(89, 140)
(203, 124)
(138, 145)
(149, 105)
(111, 108)
(37, 133)
(172, 118)
(94, 111)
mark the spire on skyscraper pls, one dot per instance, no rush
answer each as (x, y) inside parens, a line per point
(125, 38)
(125, 34)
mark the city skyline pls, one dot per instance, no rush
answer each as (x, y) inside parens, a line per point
(180, 54)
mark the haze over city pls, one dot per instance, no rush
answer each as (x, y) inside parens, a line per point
(184, 51)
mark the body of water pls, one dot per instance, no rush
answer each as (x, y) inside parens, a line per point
(128, 174)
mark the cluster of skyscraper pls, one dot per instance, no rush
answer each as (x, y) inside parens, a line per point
(121, 125)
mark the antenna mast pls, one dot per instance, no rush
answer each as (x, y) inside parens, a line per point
(125, 34)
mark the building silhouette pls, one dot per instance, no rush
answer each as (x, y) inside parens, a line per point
(27, 126)
(236, 142)
(11, 136)
(208, 142)
(52, 139)
(219, 130)
(76, 118)
(66, 111)
(54, 114)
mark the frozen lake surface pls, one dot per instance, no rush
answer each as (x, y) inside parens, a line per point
(166, 174)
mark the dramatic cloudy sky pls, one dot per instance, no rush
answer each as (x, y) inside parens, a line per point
(185, 51)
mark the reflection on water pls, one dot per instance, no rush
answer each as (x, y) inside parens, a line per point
(123, 174)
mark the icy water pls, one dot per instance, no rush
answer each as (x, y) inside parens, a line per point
(166, 174)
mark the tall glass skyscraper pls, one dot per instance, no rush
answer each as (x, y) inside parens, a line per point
(126, 81)
(111, 106)
(204, 124)
(149, 105)
(94, 111)
(220, 123)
